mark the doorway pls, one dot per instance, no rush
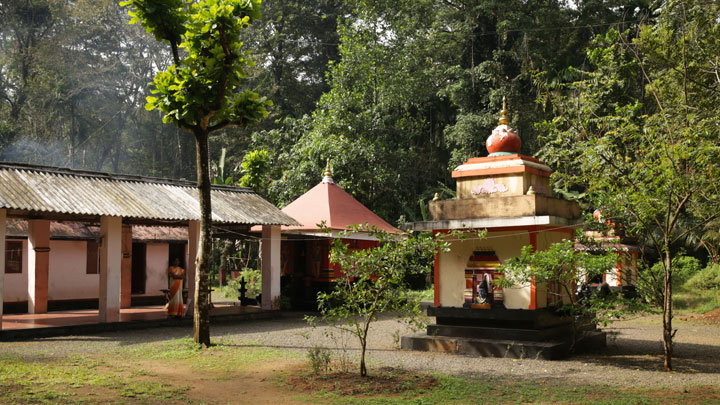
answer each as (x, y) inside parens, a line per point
(139, 251)
(177, 251)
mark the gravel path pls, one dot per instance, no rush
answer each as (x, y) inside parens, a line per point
(633, 357)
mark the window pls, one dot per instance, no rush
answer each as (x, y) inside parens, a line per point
(13, 256)
(93, 264)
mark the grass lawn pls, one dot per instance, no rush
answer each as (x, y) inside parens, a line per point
(174, 370)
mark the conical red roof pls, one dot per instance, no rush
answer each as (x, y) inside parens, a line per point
(330, 203)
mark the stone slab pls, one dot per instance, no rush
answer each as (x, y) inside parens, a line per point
(480, 332)
(551, 350)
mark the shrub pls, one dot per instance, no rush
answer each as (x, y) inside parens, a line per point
(319, 359)
(684, 267)
(705, 279)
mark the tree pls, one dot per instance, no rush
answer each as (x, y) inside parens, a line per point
(255, 168)
(423, 81)
(639, 133)
(200, 93)
(374, 281)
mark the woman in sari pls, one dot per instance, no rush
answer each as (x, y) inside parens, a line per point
(175, 304)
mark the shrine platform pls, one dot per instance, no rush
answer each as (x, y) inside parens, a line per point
(78, 322)
(499, 332)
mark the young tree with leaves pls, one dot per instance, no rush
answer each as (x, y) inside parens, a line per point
(373, 281)
(562, 268)
(201, 93)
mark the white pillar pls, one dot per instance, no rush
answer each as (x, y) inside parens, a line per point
(38, 265)
(270, 255)
(3, 216)
(110, 268)
(192, 247)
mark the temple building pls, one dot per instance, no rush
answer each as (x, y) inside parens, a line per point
(305, 248)
(508, 195)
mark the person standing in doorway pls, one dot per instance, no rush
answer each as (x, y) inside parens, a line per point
(175, 303)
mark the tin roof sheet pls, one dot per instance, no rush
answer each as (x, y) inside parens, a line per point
(76, 192)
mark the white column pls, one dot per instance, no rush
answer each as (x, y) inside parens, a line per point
(3, 216)
(38, 265)
(192, 249)
(110, 268)
(270, 255)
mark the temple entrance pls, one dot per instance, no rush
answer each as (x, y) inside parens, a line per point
(139, 251)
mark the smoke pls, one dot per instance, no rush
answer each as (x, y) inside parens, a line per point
(49, 153)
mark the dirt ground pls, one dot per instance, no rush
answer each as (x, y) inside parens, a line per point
(633, 359)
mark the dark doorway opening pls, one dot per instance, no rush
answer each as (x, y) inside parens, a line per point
(177, 251)
(139, 251)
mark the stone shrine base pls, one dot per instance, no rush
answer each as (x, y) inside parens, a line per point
(515, 333)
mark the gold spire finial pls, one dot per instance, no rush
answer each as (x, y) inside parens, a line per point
(503, 119)
(327, 168)
(327, 176)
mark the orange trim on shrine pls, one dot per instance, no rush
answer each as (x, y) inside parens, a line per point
(500, 170)
(501, 158)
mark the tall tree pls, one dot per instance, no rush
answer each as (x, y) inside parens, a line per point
(639, 133)
(201, 93)
(422, 81)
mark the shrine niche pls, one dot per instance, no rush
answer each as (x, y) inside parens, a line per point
(506, 194)
(481, 275)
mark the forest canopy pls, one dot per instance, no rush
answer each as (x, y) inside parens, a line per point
(395, 93)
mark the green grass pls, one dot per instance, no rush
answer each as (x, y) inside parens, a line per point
(457, 390)
(67, 379)
(698, 301)
(424, 295)
(119, 374)
(225, 355)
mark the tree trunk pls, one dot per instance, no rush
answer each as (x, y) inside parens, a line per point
(667, 312)
(363, 369)
(202, 263)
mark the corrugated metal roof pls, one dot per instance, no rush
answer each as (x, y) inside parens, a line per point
(77, 192)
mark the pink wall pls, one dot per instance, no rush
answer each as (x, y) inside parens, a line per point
(68, 273)
(68, 278)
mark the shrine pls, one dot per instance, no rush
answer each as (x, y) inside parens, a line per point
(305, 248)
(508, 195)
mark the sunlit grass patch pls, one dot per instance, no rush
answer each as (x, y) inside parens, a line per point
(71, 379)
(698, 301)
(225, 355)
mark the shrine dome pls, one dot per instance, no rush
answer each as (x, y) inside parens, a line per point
(328, 203)
(503, 140)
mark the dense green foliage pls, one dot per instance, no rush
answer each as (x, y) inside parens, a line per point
(705, 279)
